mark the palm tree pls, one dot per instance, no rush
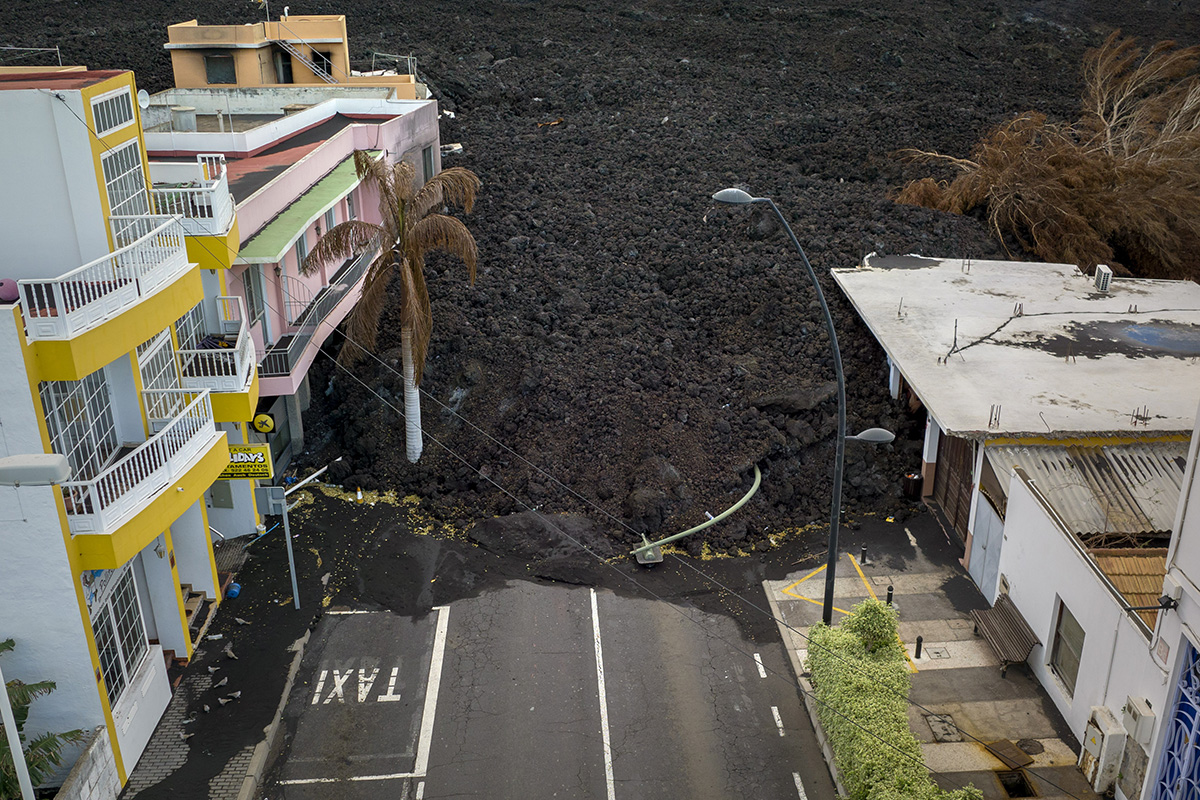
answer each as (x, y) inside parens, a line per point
(409, 229)
(43, 753)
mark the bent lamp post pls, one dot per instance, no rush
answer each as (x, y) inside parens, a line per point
(871, 435)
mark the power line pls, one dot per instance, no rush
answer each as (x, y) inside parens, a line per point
(590, 503)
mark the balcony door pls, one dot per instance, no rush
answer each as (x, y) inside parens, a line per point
(79, 418)
(159, 372)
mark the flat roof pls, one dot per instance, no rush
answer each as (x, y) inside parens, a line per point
(1035, 343)
(269, 244)
(56, 80)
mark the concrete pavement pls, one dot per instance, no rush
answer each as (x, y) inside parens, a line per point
(956, 676)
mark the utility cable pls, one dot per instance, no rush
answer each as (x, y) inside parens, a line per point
(590, 503)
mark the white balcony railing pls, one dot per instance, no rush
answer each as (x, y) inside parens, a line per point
(102, 504)
(222, 363)
(152, 254)
(205, 205)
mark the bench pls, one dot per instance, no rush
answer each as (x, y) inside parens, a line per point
(1009, 635)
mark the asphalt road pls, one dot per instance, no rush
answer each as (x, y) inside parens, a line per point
(500, 696)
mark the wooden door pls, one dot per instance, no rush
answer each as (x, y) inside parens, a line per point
(954, 479)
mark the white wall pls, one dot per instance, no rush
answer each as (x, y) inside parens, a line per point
(53, 219)
(94, 776)
(1044, 567)
(38, 602)
(239, 520)
(191, 551)
(160, 602)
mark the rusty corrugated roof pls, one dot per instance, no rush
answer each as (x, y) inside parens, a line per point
(1106, 489)
(1137, 574)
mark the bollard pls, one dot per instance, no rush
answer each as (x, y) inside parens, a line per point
(890, 589)
(918, 654)
(862, 559)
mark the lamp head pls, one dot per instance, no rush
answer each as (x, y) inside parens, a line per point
(874, 436)
(36, 469)
(734, 197)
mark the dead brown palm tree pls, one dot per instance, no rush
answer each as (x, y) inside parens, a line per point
(410, 228)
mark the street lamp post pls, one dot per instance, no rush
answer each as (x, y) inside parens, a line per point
(872, 435)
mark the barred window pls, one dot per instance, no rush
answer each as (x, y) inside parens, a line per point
(252, 282)
(189, 329)
(156, 362)
(120, 634)
(112, 111)
(350, 212)
(80, 420)
(124, 181)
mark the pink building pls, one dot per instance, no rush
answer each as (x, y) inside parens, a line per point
(288, 159)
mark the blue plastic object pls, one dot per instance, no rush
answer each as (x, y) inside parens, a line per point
(234, 590)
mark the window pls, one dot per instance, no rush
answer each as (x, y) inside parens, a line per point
(427, 162)
(350, 212)
(283, 67)
(156, 363)
(330, 219)
(112, 111)
(120, 634)
(252, 282)
(219, 68)
(81, 424)
(189, 329)
(1068, 647)
(124, 181)
(301, 250)
(323, 61)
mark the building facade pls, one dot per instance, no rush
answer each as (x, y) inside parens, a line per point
(122, 353)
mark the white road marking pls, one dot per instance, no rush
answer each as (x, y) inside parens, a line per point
(778, 719)
(799, 786)
(320, 686)
(762, 671)
(342, 613)
(365, 682)
(339, 681)
(391, 696)
(392, 777)
(911, 539)
(608, 765)
(431, 691)
(420, 790)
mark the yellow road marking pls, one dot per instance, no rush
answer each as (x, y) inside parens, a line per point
(911, 666)
(788, 589)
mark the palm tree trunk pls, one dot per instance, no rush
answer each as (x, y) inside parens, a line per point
(412, 400)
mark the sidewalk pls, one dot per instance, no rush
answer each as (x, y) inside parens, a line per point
(957, 674)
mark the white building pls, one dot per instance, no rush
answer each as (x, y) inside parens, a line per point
(1058, 420)
(120, 352)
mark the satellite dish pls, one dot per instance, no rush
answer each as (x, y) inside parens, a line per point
(143, 99)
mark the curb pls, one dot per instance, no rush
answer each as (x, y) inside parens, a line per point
(810, 703)
(261, 758)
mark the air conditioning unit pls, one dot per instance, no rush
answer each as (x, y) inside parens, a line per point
(1139, 720)
(1103, 277)
(1103, 743)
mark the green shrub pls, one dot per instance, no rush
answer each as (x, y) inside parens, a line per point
(860, 675)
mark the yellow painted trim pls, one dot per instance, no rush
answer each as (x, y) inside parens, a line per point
(108, 551)
(89, 637)
(1085, 441)
(212, 558)
(169, 543)
(102, 144)
(222, 282)
(236, 406)
(138, 388)
(75, 358)
(215, 252)
(253, 496)
(34, 377)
